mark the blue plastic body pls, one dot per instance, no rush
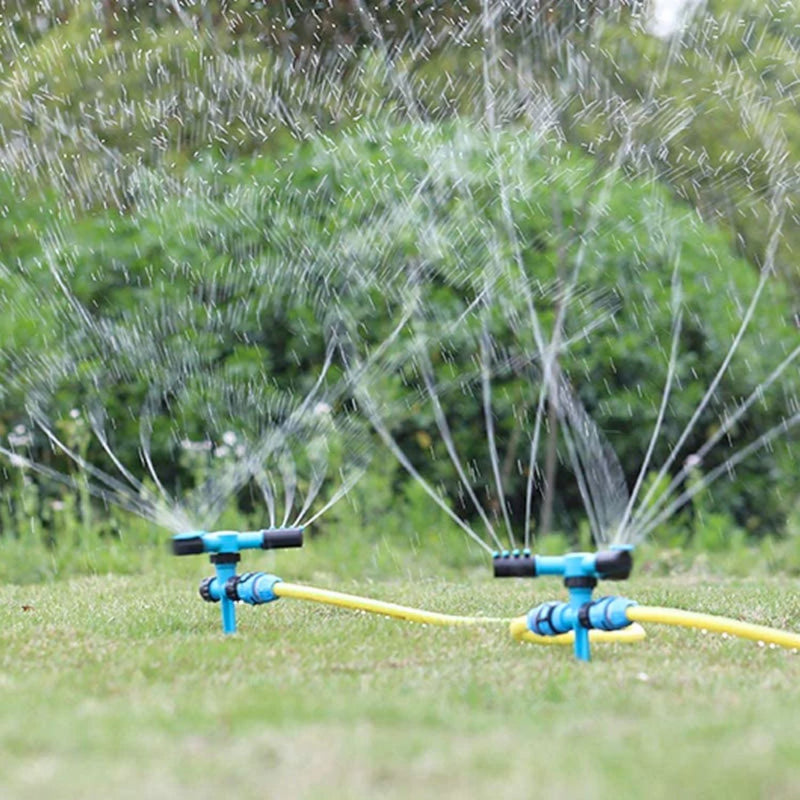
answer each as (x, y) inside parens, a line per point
(226, 587)
(253, 588)
(605, 614)
(580, 571)
(224, 573)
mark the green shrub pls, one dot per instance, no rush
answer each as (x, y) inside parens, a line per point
(237, 311)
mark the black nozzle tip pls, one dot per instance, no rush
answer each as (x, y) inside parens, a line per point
(614, 565)
(281, 537)
(187, 545)
(514, 564)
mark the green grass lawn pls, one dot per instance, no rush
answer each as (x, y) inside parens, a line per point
(123, 686)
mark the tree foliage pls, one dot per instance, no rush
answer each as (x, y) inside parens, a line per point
(192, 152)
(222, 287)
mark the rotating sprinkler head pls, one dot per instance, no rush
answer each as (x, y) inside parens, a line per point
(226, 587)
(581, 572)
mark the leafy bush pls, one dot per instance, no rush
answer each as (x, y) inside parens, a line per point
(226, 278)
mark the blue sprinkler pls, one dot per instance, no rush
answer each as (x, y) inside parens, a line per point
(226, 587)
(581, 572)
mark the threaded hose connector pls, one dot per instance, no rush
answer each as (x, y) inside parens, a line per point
(550, 619)
(256, 588)
(605, 613)
(205, 590)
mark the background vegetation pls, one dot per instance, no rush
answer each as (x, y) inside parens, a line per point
(130, 130)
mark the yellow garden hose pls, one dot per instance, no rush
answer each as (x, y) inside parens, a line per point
(299, 592)
(519, 631)
(518, 628)
(709, 622)
(665, 616)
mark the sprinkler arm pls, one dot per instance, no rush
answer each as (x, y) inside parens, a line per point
(614, 564)
(195, 542)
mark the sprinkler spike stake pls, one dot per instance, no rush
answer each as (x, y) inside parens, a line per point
(581, 571)
(226, 587)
